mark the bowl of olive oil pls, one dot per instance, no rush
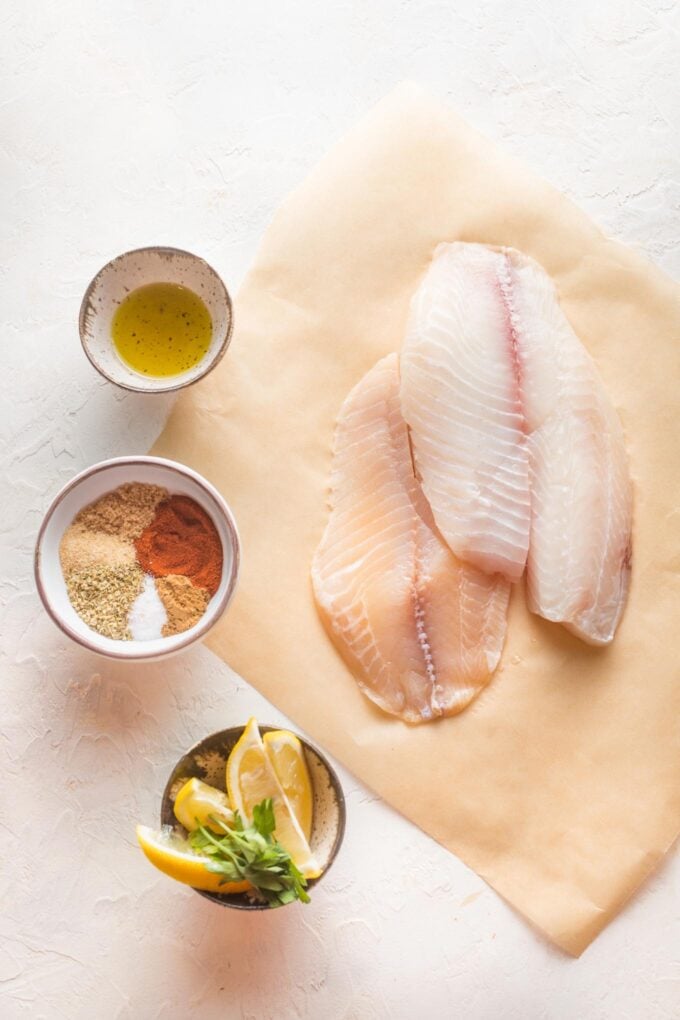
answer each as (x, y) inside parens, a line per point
(155, 319)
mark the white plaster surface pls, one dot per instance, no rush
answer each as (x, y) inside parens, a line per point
(128, 123)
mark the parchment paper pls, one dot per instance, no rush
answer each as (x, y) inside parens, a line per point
(560, 785)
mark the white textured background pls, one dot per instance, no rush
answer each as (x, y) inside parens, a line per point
(126, 123)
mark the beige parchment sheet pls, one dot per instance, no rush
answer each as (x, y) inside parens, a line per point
(560, 785)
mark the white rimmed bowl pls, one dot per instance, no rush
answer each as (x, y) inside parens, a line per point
(137, 268)
(90, 485)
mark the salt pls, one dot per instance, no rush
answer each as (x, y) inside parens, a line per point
(147, 615)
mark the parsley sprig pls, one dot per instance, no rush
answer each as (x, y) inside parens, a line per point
(250, 852)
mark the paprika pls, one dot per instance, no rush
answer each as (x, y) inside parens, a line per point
(182, 539)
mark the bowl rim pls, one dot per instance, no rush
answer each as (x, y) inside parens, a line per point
(335, 783)
(232, 530)
(161, 388)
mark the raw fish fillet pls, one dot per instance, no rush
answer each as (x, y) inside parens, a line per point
(518, 448)
(578, 570)
(421, 631)
(461, 398)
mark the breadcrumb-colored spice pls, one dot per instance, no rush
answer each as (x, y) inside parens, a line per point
(184, 603)
(125, 512)
(102, 597)
(81, 548)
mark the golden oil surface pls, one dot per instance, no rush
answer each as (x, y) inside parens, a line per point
(161, 329)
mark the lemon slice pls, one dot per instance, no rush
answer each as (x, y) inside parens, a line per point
(172, 855)
(196, 801)
(288, 758)
(250, 779)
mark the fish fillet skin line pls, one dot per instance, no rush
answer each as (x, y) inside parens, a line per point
(421, 631)
(516, 443)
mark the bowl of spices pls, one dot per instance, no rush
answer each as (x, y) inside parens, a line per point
(155, 319)
(137, 557)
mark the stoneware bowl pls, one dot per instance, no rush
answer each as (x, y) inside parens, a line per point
(136, 269)
(207, 761)
(90, 485)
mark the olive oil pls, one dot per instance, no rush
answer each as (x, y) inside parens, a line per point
(161, 329)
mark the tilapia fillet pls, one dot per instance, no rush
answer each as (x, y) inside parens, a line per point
(516, 444)
(421, 631)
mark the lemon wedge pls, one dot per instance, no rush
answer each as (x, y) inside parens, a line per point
(251, 779)
(172, 855)
(288, 758)
(197, 801)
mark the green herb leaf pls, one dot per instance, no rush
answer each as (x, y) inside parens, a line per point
(250, 852)
(263, 817)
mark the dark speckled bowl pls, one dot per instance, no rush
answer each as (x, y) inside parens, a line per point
(207, 759)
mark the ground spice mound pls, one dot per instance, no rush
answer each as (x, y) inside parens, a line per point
(81, 548)
(182, 539)
(102, 597)
(184, 603)
(125, 512)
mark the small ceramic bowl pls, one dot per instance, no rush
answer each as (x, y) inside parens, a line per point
(207, 760)
(90, 485)
(135, 269)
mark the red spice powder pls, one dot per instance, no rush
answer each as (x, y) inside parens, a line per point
(182, 539)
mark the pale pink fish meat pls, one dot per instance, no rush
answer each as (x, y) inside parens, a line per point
(517, 445)
(578, 570)
(461, 398)
(421, 631)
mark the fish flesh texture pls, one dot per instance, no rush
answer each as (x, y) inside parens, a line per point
(518, 448)
(421, 631)
(578, 569)
(461, 399)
